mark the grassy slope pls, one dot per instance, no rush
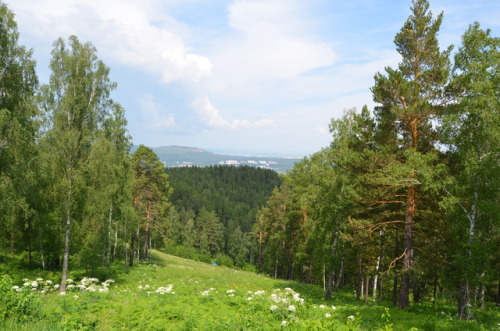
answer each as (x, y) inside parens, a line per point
(126, 307)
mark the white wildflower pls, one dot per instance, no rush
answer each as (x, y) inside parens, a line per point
(34, 283)
(328, 315)
(62, 293)
(25, 279)
(284, 323)
(56, 287)
(322, 306)
(75, 296)
(39, 279)
(273, 307)
(333, 307)
(249, 299)
(261, 292)
(291, 308)
(351, 317)
(15, 287)
(205, 293)
(48, 281)
(139, 287)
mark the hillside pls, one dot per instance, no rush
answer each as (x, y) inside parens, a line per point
(180, 156)
(171, 293)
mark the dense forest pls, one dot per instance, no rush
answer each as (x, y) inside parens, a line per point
(215, 210)
(403, 204)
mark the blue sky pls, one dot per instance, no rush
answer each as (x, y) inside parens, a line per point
(249, 76)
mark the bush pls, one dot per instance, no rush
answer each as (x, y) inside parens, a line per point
(20, 304)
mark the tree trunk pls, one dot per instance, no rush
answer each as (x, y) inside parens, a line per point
(66, 244)
(108, 238)
(132, 250)
(404, 294)
(341, 274)
(375, 279)
(359, 290)
(261, 243)
(331, 278)
(115, 243)
(395, 290)
(464, 302)
(367, 287)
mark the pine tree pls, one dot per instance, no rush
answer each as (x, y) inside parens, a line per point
(413, 93)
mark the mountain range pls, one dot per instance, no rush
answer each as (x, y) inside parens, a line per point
(182, 156)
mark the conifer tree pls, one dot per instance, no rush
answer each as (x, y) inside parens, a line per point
(413, 93)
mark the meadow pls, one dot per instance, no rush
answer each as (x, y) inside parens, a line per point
(172, 293)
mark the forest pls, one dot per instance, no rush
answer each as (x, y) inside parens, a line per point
(403, 205)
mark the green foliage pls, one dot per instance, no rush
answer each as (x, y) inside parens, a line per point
(17, 303)
(171, 293)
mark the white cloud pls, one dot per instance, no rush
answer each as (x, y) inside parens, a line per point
(211, 117)
(131, 32)
(270, 43)
(155, 114)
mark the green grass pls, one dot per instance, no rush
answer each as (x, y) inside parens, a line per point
(206, 297)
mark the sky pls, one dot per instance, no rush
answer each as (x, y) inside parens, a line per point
(238, 76)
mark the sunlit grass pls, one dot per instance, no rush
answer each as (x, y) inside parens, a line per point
(172, 293)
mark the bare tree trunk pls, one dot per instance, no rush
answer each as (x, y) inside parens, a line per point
(359, 291)
(331, 278)
(66, 243)
(115, 243)
(132, 250)
(375, 279)
(367, 287)
(41, 254)
(464, 302)
(341, 273)
(404, 294)
(261, 243)
(108, 238)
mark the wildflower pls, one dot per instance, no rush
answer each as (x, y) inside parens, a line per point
(291, 308)
(250, 292)
(75, 296)
(15, 287)
(351, 317)
(62, 293)
(333, 307)
(284, 323)
(34, 283)
(231, 295)
(260, 292)
(328, 315)
(273, 307)
(205, 293)
(43, 291)
(249, 299)
(39, 279)
(25, 279)
(56, 286)
(139, 287)
(230, 291)
(322, 306)
(69, 281)
(104, 290)
(48, 281)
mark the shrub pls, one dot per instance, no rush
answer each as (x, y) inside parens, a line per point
(20, 304)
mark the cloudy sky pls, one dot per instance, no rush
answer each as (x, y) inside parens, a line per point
(254, 76)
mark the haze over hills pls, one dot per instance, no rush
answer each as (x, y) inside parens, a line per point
(182, 156)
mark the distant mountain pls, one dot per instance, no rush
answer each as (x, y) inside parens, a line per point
(182, 156)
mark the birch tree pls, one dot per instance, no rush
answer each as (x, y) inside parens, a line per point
(76, 102)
